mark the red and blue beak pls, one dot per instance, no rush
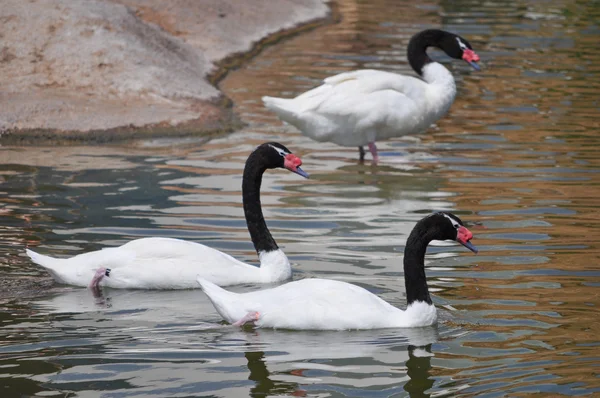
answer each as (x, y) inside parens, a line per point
(293, 163)
(471, 58)
(464, 236)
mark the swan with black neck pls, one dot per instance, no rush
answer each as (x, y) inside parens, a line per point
(167, 263)
(323, 304)
(364, 106)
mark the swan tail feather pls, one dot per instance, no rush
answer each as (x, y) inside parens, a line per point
(50, 264)
(211, 289)
(275, 103)
(47, 262)
(283, 107)
(225, 302)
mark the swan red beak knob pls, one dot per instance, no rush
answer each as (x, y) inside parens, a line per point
(293, 163)
(464, 236)
(471, 58)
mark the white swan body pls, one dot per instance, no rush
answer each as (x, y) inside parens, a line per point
(356, 108)
(164, 263)
(317, 304)
(323, 304)
(364, 106)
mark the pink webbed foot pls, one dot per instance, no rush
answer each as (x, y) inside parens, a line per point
(98, 276)
(373, 150)
(251, 316)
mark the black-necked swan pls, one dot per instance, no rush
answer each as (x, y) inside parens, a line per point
(166, 263)
(323, 304)
(361, 107)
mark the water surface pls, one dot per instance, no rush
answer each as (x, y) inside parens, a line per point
(516, 158)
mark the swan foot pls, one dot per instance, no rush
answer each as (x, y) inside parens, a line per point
(98, 276)
(373, 150)
(361, 153)
(251, 316)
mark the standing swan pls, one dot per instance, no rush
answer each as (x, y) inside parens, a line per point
(166, 263)
(323, 304)
(360, 107)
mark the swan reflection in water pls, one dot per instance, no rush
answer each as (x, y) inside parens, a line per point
(298, 362)
(182, 324)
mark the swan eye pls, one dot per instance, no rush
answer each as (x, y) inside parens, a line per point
(455, 224)
(280, 151)
(462, 45)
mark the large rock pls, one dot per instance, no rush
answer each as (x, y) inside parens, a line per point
(95, 65)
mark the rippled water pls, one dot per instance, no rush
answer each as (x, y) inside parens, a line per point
(517, 158)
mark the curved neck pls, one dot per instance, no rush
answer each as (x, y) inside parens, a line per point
(417, 48)
(414, 265)
(259, 233)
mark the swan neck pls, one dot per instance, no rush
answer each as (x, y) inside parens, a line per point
(252, 179)
(414, 266)
(437, 74)
(416, 51)
(274, 266)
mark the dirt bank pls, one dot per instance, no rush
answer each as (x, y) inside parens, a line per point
(102, 69)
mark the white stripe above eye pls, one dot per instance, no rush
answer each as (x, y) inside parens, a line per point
(455, 223)
(462, 45)
(279, 150)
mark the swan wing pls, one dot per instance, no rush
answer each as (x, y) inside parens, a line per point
(357, 107)
(158, 252)
(166, 263)
(318, 304)
(350, 88)
(151, 263)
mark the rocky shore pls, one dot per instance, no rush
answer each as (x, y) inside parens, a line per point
(114, 69)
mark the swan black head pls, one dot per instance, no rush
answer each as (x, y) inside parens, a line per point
(274, 155)
(270, 155)
(447, 226)
(459, 48)
(454, 45)
(438, 226)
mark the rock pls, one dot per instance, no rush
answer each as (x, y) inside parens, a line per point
(121, 67)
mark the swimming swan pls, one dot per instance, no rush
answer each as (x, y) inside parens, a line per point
(166, 263)
(323, 304)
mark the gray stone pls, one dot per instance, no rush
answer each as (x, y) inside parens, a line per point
(127, 65)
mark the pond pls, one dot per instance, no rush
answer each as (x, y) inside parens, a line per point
(517, 158)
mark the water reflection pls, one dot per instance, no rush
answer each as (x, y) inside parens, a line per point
(517, 155)
(303, 362)
(135, 339)
(265, 386)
